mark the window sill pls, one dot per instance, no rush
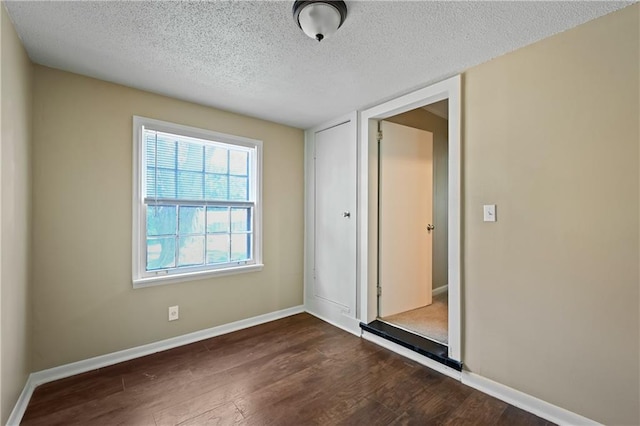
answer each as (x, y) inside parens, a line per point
(192, 276)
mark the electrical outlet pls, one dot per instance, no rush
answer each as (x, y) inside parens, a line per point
(174, 313)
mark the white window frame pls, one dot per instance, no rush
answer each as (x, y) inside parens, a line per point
(142, 278)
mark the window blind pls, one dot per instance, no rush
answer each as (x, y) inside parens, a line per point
(183, 168)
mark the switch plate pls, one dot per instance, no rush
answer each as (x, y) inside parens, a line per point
(174, 313)
(489, 212)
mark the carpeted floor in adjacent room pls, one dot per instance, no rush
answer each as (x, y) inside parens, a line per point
(429, 321)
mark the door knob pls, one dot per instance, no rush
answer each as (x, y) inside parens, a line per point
(430, 227)
(346, 214)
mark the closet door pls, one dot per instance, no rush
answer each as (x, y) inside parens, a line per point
(335, 216)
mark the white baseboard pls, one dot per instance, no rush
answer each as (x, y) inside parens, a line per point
(21, 405)
(40, 377)
(529, 403)
(439, 290)
(412, 355)
(350, 325)
(334, 315)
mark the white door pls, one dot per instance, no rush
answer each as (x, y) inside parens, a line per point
(405, 212)
(335, 221)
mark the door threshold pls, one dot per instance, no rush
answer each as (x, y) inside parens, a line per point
(433, 350)
(411, 331)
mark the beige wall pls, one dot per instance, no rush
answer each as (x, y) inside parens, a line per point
(551, 290)
(16, 84)
(424, 120)
(83, 300)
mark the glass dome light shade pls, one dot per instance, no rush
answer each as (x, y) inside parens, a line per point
(319, 19)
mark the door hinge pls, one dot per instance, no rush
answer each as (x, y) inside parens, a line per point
(379, 135)
(379, 291)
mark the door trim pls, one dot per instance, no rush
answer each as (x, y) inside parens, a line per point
(327, 310)
(367, 200)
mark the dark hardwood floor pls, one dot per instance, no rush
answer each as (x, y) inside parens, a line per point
(294, 371)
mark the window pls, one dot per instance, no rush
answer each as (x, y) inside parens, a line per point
(196, 207)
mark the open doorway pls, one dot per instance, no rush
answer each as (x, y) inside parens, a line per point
(413, 221)
(444, 358)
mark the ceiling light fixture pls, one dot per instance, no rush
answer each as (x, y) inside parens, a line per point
(319, 19)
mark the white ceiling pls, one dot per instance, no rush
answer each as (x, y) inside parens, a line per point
(250, 57)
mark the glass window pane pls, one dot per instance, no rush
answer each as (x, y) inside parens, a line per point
(191, 220)
(216, 187)
(190, 185)
(238, 188)
(166, 183)
(240, 219)
(217, 219)
(217, 248)
(190, 156)
(190, 251)
(161, 220)
(166, 152)
(238, 162)
(240, 247)
(192, 234)
(161, 253)
(215, 159)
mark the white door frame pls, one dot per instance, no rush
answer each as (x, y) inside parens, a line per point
(335, 314)
(368, 204)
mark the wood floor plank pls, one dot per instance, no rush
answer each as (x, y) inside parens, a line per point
(294, 371)
(345, 386)
(368, 412)
(70, 392)
(244, 379)
(95, 412)
(263, 371)
(228, 357)
(196, 406)
(515, 416)
(396, 394)
(147, 398)
(158, 366)
(295, 321)
(450, 390)
(227, 414)
(477, 409)
(280, 400)
(427, 409)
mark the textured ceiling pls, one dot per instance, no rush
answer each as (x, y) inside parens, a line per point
(250, 57)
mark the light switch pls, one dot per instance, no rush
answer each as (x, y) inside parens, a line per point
(489, 212)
